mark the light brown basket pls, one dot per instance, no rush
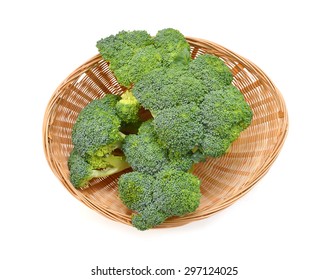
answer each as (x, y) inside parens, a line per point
(224, 180)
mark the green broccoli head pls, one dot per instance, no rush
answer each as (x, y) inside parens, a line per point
(81, 172)
(128, 108)
(144, 153)
(148, 218)
(130, 53)
(147, 127)
(136, 190)
(225, 115)
(177, 193)
(158, 197)
(180, 128)
(173, 47)
(96, 131)
(168, 87)
(211, 71)
(120, 48)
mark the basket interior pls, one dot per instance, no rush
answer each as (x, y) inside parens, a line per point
(223, 179)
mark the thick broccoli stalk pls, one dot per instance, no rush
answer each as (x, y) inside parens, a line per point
(158, 197)
(81, 172)
(211, 71)
(225, 115)
(96, 135)
(128, 108)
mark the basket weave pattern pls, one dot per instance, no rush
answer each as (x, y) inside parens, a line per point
(224, 180)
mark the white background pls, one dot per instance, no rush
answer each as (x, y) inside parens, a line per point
(277, 231)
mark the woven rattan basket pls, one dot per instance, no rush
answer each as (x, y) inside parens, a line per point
(224, 180)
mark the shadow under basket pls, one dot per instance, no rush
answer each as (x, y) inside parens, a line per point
(224, 179)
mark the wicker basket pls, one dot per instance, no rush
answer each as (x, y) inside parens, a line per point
(224, 180)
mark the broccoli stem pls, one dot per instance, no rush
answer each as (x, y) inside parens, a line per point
(117, 163)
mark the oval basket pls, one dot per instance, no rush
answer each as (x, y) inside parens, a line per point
(224, 180)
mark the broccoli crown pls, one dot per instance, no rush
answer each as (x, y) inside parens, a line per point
(147, 127)
(133, 54)
(180, 128)
(148, 218)
(225, 115)
(120, 48)
(128, 108)
(81, 172)
(176, 193)
(142, 62)
(144, 153)
(158, 197)
(96, 130)
(136, 190)
(211, 71)
(173, 47)
(168, 87)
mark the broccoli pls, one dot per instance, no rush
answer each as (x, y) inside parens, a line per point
(127, 108)
(120, 48)
(158, 197)
(96, 136)
(225, 115)
(133, 54)
(180, 128)
(168, 87)
(173, 47)
(81, 172)
(211, 71)
(96, 132)
(144, 153)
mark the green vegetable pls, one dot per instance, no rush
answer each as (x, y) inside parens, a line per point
(225, 114)
(96, 135)
(195, 113)
(128, 108)
(211, 71)
(179, 128)
(173, 47)
(133, 54)
(81, 172)
(165, 88)
(156, 198)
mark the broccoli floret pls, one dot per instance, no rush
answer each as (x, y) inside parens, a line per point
(176, 193)
(156, 198)
(81, 172)
(173, 47)
(211, 71)
(96, 135)
(168, 87)
(96, 132)
(129, 55)
(180, 128)
(136, 190)
(147, 127)
(128, 108)
(120, 48)
(133, 54)
(225, 115)
(144, 153)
